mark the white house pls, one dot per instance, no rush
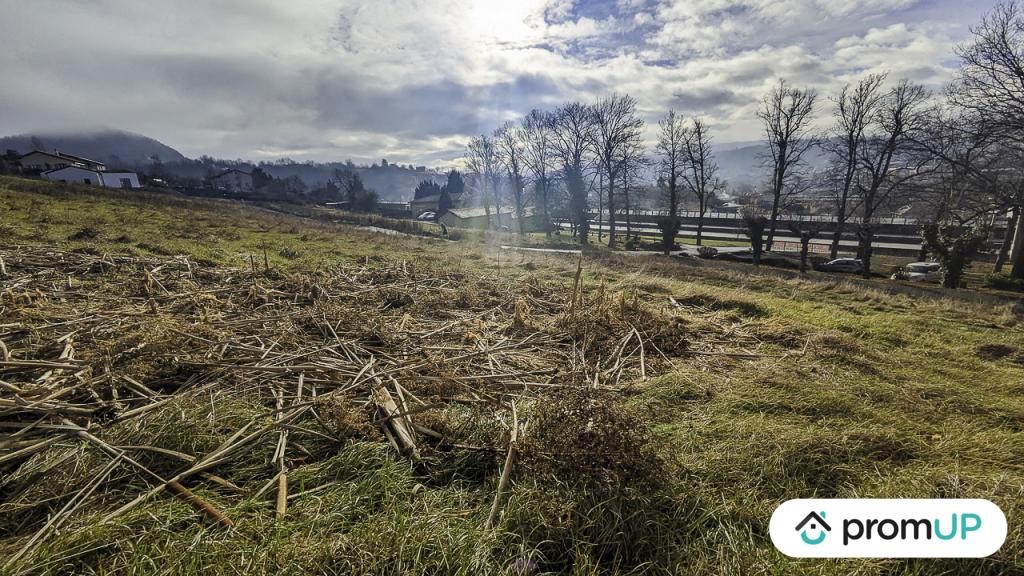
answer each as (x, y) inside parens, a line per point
(37, 160)
(106, 178)
(234, 180)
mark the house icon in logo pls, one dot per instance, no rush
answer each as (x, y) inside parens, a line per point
(817, 522)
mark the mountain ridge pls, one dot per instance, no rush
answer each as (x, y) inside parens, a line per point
(117, 148)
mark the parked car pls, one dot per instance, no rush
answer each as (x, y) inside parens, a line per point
(919, 272)
(851, 265)
(427, 216)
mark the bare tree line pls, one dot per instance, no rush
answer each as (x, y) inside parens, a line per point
(893, 145)
(584, 149)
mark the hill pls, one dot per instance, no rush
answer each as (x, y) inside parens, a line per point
(114, 147)
(393, 183)
(741, 162)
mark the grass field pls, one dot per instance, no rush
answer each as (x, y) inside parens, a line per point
(764, 387)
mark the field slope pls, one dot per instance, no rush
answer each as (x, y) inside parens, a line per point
(662, 408)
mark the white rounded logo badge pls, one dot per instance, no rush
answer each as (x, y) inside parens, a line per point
(888, 528)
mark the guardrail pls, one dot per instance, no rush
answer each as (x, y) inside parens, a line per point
(737, 216)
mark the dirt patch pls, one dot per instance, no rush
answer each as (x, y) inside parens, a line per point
(993, 351)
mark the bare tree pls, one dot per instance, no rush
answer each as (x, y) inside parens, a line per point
(956, 193)
(786, 115)
(754, 226)
(539, 159)
(805, 231)
(617, 135)
(990, 81)
(481, 162)
(701, 172)
(854, 107)
(886, 159)
(990, 85)
(634, 166)
(346, 179)
(572, 128)
(671, 148)
(975, 179)
(510, 147)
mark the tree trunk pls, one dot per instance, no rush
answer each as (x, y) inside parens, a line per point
(954, 265)
(600, 207)
(629, 217)
(700, 221)
(772, 223)
(578, 203)
(1004, 250)
(487, 210)
(865, 237)
(837, 236)
(519, 204)
(544, 207)
(669, 230)
(611, 212)
(805, 242)
(1017, 251)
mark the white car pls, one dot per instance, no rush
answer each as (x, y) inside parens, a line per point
(919, 272)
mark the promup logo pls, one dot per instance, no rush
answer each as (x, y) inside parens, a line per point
(817, 523)
(867, 528)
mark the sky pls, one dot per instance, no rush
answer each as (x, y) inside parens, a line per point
(413, 80)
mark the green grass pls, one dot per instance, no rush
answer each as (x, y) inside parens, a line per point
(854, 391)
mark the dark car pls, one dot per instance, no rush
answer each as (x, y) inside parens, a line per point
(851, 265)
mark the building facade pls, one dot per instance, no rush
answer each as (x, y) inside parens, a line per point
(233, 180)
(105, 178)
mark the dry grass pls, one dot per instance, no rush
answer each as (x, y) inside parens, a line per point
(664, 407)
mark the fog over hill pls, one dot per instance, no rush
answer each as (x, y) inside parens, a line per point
(123, 149)
(739, 162)
(116, 148)
(743, 162)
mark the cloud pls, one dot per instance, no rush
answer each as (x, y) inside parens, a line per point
(413, 79)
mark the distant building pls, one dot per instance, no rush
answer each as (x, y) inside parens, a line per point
(105, 178)
(477, 218)
(233, 180)
(429, 203)
(729, 208)
(40, 161)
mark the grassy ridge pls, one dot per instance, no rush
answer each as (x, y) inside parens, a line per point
(848, 392)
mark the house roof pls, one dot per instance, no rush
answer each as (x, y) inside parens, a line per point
(479, 211)
(52, 170)
(435, 198)
(88, 170)
(230, 170)
(62, 156)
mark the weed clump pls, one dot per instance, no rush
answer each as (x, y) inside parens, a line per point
(589, 437)
(345, 419)
(85, 233)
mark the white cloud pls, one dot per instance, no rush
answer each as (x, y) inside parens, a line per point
(411, 79)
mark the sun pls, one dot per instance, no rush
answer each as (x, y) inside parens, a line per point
(517, 23)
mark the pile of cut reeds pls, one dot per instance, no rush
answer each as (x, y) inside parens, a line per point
(97, 347)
